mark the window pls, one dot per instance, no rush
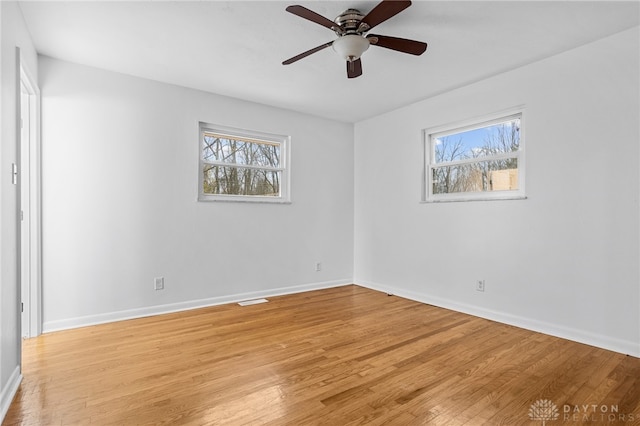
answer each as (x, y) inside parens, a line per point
(481, 160)
(237, 165)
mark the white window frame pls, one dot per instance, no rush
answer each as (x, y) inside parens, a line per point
(246, 135)
(431, 134)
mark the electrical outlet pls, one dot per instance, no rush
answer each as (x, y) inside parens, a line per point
(158, 283)
(318, 266)
(480, 285)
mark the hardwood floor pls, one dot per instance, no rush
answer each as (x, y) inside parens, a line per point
(343, 356)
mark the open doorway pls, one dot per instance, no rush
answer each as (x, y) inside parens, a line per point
(30, 207)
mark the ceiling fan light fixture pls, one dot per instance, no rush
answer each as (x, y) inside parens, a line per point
(351, 46)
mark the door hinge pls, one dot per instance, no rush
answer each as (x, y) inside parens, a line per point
(14, 173)
(21, 307)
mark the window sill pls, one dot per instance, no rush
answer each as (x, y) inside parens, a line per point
(232, 199)
(457, 200)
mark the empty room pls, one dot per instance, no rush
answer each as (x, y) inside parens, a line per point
(320, 212)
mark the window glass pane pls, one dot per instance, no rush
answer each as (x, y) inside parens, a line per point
(241, 181)
(220, 149)
(483, 176)
(477, 143)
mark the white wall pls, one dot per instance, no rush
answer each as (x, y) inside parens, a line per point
(565, 260)
(120, 173)
(13, 34)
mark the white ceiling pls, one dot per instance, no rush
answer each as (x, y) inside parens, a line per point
(236, 48)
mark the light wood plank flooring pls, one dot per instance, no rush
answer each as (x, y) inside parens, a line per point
(343, 356)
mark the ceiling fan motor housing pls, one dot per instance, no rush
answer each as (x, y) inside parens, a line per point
(349, 22)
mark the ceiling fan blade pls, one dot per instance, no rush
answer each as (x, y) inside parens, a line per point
(312, 16)
(400, 44)
(307, 53)
(354, 68)
(385, 10)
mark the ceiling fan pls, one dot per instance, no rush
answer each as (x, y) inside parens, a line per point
(351, 26)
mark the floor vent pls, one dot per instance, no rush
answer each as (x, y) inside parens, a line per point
(252, 302)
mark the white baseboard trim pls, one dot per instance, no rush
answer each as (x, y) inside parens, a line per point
(65, 324)
(9, 392)
(605, 342)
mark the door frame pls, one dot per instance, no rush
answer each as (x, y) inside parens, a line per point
(30, 207)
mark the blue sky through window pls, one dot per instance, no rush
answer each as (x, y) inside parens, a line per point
(472, 141)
